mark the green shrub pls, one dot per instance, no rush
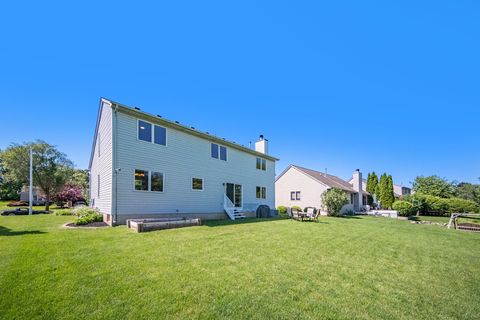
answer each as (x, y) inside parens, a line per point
(63, 212)
(297, 208)
(333, 200)
(282, 210)
(436, 206)
(86, 215)
(404, 208)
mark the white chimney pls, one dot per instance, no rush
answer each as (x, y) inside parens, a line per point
(261, 145)
(357, 186)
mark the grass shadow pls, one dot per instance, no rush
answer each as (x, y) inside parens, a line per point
(348, 217)
(8, 232)
(220, 223)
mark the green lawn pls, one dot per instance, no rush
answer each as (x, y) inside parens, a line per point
(360, 267)
(447, 219)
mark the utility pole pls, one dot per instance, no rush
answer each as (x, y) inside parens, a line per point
(30, 188)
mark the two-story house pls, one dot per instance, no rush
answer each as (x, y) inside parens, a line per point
(145, 166)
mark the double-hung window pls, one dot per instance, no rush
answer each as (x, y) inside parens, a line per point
(261, 193)
(218, 152)
(152, 133)
(295, 195)
(261, 164)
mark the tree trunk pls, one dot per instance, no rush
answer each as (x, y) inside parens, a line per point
(47, 202)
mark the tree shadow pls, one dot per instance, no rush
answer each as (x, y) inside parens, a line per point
(220, 223)
(8, 232)
(348, 217)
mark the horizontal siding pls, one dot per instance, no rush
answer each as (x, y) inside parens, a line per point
(184, 157)
(102, 165)
(294, 180)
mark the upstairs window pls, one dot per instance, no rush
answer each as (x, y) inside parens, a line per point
(144, 131)
(160, 135)
(261, 164)
(223, 153)
(261, 193)
(214, 150)
(152, 133)
(218, 152)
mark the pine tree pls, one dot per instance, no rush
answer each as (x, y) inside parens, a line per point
(382, 190)
(372, 183)
(389, 194)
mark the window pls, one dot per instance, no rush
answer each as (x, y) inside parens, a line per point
(156, 182)
(98, 186)
(160, 135)
(214, 150)
(141, 180)
(295, 196)
(144, 131)
(261, 164)
(197, 184)
(261, 193)
(223, 153)
(218, 152)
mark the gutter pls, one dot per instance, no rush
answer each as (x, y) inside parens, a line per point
(115, 169)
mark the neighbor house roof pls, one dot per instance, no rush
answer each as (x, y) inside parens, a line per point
(327, 179)
(136, 112)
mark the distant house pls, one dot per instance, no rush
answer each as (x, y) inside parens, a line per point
(298, 186)
(37, 194)
(145, 166)
(398, 190)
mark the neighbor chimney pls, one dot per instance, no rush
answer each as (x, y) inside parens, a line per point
(357, 186)
(261, 145)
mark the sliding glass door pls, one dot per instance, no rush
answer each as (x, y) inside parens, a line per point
(234, 193)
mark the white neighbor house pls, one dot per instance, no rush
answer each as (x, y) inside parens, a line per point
(144, 166)
(303, 187)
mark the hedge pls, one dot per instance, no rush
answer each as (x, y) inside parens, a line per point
(432, 205)
(404, 208)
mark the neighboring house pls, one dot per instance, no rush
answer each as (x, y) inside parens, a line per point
(302, 187)
(398, 190)
(144, 166)
(37, 194)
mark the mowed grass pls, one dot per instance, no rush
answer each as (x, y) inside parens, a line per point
(339, 268)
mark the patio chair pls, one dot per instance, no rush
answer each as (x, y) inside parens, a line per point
(296, 214)
(312, 213)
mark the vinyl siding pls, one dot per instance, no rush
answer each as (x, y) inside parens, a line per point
(102, 163)
(294, 180)
(185, 156)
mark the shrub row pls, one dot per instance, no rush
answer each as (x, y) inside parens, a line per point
(432, 205)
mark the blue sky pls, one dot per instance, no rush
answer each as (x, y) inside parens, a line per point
(374, 85)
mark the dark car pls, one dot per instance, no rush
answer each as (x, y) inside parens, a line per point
(21, 212)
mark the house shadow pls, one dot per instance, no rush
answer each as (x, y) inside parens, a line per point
(8, 232)
(221, 223)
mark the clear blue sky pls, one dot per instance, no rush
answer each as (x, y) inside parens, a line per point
(333, 84)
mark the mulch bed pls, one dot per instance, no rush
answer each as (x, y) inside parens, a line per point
(90, 225)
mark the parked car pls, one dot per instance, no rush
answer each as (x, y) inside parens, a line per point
(22, 212)
(80, 204)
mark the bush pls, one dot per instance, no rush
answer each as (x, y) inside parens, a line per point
(63, 212)
(282, 210)
(297, 208)
(333, 200)
(87, 215)
(404, 208)
(436, 206)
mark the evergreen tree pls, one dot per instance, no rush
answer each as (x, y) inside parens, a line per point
(372, 183)
(389, 194)
(381, 190)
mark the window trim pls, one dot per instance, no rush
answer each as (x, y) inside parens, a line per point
(295, 196)
(219, 153)
(153, 125)
(263, 164)
(263, 193)
(150, 181)
(203, 184)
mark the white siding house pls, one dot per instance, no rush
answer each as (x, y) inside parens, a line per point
(302, 187)
(144, 166)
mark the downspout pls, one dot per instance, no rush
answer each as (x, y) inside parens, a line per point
(114, 163)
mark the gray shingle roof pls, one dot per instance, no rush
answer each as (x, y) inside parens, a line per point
(327, 179)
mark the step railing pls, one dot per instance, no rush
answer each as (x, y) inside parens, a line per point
(229, 207)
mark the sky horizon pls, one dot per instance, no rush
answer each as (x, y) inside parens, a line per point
(380, 87)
